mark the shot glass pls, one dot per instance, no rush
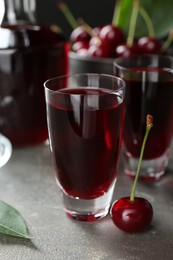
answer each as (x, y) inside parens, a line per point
(5, 150)
(149, 81)
(85, 114)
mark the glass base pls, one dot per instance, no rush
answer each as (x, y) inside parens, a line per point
(151, 170)
(88, 210)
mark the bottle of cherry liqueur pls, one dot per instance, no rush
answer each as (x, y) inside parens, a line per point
(29, 55)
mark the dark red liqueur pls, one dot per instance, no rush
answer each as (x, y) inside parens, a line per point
(144, 98)
(86, 145)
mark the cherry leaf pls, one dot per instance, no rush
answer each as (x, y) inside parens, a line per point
(11, 222)
(160, 12)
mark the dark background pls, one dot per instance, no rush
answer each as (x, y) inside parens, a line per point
(94, 12)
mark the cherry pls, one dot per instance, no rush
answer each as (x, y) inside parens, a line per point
(149, 45)
(95, 40)
(111, 35)
(79, 34)
(126, 50)
(99, 51)
(129, 49)
(82, 52)
(80, 45)
(134, 214)
(103, 44)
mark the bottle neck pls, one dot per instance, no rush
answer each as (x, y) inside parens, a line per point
(19, 12)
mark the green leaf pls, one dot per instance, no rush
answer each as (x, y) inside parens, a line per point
(160, 12)
(11, 222)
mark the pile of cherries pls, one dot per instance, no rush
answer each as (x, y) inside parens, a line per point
(109, 42)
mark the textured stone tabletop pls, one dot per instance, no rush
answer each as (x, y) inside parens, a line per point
(27, 183)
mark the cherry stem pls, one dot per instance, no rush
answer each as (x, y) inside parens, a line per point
(117, 13)
(86, 26)
(148, 21)
(132, 26)
(149, 124)
(68, 14)
(55, 28)
(168, 42)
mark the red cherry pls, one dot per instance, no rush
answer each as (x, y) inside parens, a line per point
(95, 40)
(126, 51)
(149, 45)
(111, 35)
(82, 52)
(80, 45)
(99, 51)
(79, 34)
(132, 216)
(97, 48)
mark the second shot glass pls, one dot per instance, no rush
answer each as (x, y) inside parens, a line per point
(149, 81)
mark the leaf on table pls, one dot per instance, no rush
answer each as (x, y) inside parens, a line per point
(160, 12)
(11, 222)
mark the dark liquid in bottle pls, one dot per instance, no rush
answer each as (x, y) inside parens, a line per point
(29, 55)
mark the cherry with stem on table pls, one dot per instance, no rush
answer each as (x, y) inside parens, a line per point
(133, 214)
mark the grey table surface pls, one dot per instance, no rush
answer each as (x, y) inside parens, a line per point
(27, 183)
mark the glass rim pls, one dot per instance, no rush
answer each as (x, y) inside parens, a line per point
(52, 81)
(136, 57)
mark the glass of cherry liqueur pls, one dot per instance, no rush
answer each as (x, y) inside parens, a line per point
(85, 115)
(149, 81)
(29, 54)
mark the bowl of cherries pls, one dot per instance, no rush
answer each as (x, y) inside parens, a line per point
(94, 54)
(93, 50)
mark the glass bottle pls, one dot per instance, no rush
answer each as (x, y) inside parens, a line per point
(29, 55)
